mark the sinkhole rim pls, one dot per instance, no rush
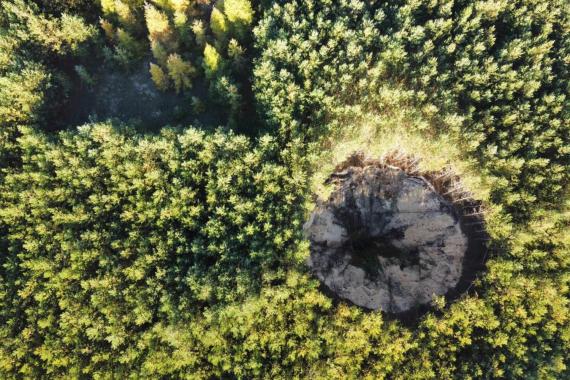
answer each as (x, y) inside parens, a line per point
(447, 185)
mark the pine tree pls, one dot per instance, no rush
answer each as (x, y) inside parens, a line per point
(236, 54)
(239, 14)
(212, 60)
(108, 28)
(180, 71)
(199, 32)
(125, 14)
(157, 23)
(159, 52)
(219, 25)
(159, 78)
(61, 35)
(84, 75)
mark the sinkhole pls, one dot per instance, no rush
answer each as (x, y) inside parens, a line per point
(391, 240)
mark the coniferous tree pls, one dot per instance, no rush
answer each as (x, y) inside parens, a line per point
(239, 14)
(180, 71)
(159, 78)
(180, 254)
(219, 25)
(157, 23)
(212, 60)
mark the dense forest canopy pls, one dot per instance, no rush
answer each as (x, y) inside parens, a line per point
(173, 247)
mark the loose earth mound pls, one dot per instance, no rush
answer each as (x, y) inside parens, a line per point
(386, 239)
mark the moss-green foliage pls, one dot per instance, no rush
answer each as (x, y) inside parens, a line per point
(496, 73)
(29, 34)
(21, 101)
(84, 8)
(189, 30)
(180, 255)
(107, 234)
(30, 43)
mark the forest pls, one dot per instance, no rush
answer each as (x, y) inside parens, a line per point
(160, 161)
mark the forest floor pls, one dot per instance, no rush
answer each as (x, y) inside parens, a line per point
(131, 97)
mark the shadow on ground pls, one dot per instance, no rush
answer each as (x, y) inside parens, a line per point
(131, 97)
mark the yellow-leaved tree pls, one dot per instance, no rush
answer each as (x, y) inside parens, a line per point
(212, 60)
(180, 71)
(239, 14)
(219, 25)
(157, 23)
(159, 77)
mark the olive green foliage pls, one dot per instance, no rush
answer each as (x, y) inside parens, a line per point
(84, 8)
(180, 72)
(24, 24)
(495, 73)
(183, 29)
(29, 44)
(20, 102)
(181, 255)
(158, 77)
(109, 234)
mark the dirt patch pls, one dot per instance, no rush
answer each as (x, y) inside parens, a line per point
(130, 96)
(388, 239)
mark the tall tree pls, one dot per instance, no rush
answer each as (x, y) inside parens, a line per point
(180, 71)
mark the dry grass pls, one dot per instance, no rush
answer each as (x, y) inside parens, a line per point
(401, 140)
